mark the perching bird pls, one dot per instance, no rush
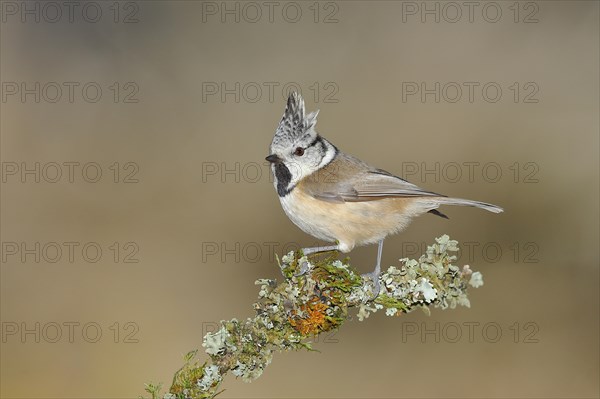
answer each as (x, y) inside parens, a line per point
(336, 197)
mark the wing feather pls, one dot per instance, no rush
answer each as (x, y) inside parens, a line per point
(351, 180)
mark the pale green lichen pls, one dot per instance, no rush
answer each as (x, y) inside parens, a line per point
(476, 280)
(216, 343)
(315, 297)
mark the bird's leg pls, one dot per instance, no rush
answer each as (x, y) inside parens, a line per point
(315, 250)
(374, 275)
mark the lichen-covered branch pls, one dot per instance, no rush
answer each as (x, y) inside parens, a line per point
(316, 296)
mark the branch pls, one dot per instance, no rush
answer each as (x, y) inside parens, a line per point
(316, 297)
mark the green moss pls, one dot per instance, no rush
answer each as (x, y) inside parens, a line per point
(389, 302)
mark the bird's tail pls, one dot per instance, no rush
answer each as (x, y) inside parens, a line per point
(466, 202)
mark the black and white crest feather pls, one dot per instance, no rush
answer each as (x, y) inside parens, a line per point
(294, 123)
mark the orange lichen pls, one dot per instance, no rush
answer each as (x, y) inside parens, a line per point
(314, 321)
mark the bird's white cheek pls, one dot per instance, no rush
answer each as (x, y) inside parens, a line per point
(299, 171)
(300, 174)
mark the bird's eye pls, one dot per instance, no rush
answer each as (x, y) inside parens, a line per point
(299, 151)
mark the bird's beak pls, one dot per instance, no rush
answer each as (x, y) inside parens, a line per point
(273, 158)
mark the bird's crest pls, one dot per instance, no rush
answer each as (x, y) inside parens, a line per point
(294, 123)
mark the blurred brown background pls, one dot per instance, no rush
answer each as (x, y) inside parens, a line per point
(179, 131)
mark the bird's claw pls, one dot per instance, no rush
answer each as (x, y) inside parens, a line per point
(304, 267)
(374, 277)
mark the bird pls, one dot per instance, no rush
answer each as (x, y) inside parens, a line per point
(338, 198)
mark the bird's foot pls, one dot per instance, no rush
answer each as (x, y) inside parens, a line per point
(304, 267)
(374, 277)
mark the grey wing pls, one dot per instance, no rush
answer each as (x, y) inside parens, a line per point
(369, 185)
